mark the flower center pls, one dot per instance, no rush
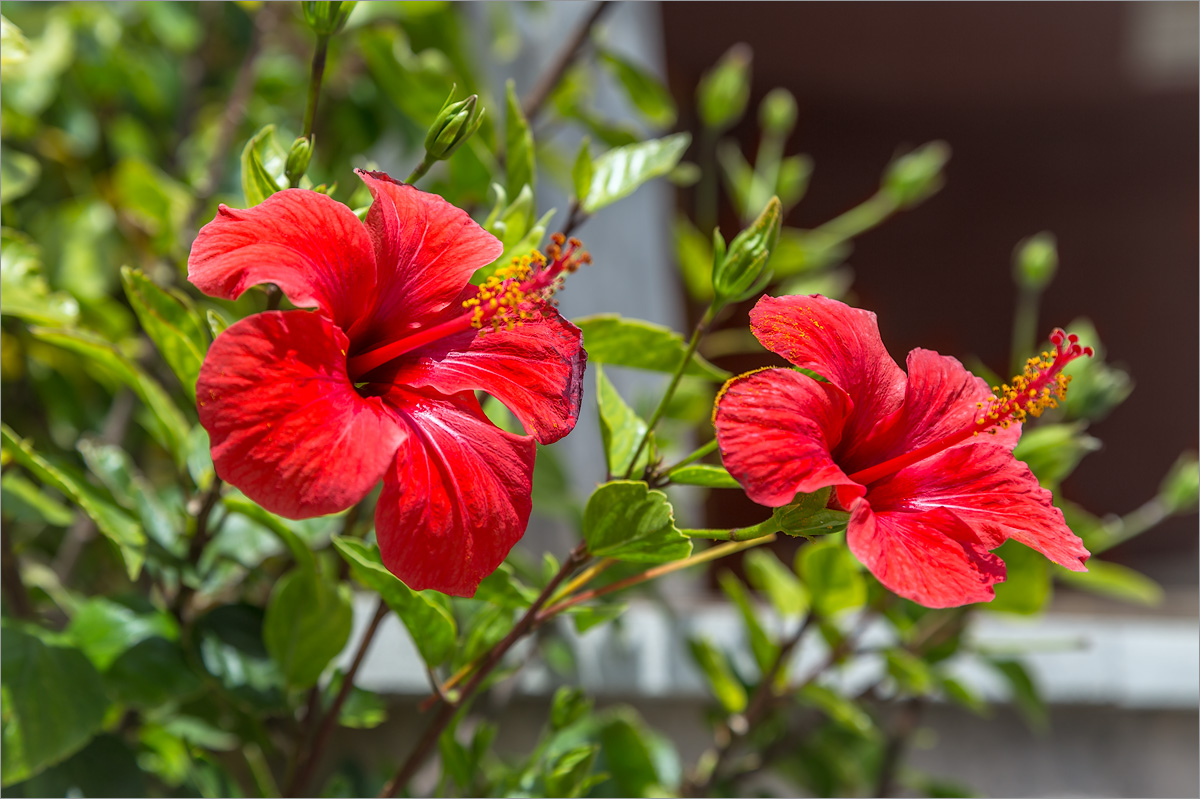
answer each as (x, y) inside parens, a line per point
(507, 299)
(1040, 387)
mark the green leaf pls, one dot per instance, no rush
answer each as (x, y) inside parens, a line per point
(625, 520)
(620, 428)
(503, 588)
(229, 639)
(640, 762)
(170, 427)
(568, 775)
(725, 686)
(304, 556)
(807, 515)
(519, 166)
(19, 173)
(1114, 580)
(363, 710)
(112, 522)
(1027, 586)
(105, 767)
(104, 629)
(1023, 693)
(24, 292)
(307, 624)
(1052, 451)
(152, 673)
(767, 574)
(582, 171)
(119, 474)
(569, 705)
(53, 702)
(911, 672)
(151, 200)
(620, 171)
(694, 254)
(704, 474)
(426, 614)
(644, 90)
(612, 339)
(958, 693)
(838, 708)
(257, 182)
(216, 322)
(174, 327)
(24, 501)
(761, 646)
(832, 575)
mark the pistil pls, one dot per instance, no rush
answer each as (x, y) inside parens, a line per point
(1040, 387)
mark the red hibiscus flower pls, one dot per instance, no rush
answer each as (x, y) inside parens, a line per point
(923, 462)
(308, 410)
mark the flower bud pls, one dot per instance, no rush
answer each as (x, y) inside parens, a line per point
(1035, 260)
(738, 273)
(297, 159)
(327, 18)
(725, 89)
(454, 125)
(777, 112)
(915, 176)
(1180, 490)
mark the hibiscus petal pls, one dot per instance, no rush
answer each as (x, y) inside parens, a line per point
(941, 399)
(457, 498)
(535, 369)
(426, 251)
(286, 424)
(839, 343)
(311, 246)
(992, 492)
(932, 557)
(776, 428)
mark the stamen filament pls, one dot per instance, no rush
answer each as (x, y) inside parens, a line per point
(366, 361)
(1040, 387)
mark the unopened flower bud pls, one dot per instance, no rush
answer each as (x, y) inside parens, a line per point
(454, 125)
(297, 159)
(327, 17)
(1180, 490)
(739, 272)
(777, 112)
(1035, 260)
(725, 89)
(913, 177)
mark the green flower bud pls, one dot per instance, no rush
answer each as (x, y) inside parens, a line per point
(725, 89)
(777, 112)
(1035, 260)
(297, 159)
(916, 176)
(1180, 490)
(327, 18)
(454, 125)
(740, 272)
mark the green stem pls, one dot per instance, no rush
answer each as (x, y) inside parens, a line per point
(700, 452)
(314, 82)
(859, 219)
(761, 530)
(697, 334)
(1024, 330)
(421, 169)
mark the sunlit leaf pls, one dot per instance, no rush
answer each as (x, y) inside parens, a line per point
(620, 171)
(624, 519)
(612, 339)
(620, 428)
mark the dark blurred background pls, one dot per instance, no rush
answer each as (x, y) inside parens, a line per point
(1076, 118)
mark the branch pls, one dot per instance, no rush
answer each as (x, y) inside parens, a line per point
(537, 97)
(526, 623)
(298, 784)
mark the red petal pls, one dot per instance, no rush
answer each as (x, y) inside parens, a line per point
(839, 343)
(426, 250)
(312, 247)
(941, 398)
(932, 558)
(992, 492)
(457, 498)
(535, 369)
(776, 429)
(287, 426)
